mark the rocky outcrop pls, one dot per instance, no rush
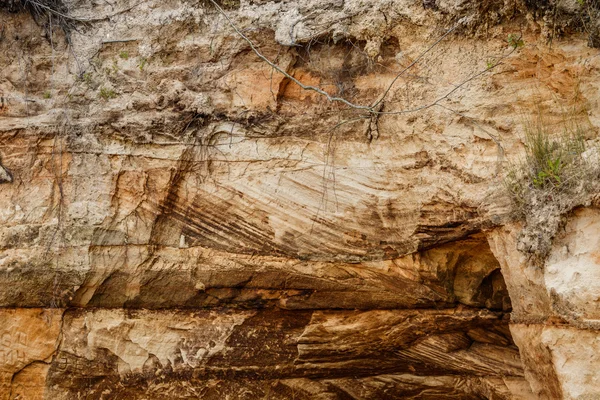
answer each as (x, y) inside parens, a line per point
(29, 344)
(131, 354)
(554, 321)
(179, 220)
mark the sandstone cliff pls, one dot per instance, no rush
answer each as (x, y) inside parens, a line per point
(179, 220)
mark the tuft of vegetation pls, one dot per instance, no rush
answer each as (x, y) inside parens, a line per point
(106, 93)
(515, 41)
(124, 55)
(557, 174)
(47, 94)
(142, 64)
(87, 78)
(552, 162)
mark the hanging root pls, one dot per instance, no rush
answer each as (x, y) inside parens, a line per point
(47, 13)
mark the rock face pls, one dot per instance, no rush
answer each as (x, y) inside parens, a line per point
(215, 354)
(180, 220)
(555, 320)
(29, 342)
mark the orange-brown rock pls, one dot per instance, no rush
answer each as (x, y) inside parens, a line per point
(178, 219)
(29, 342)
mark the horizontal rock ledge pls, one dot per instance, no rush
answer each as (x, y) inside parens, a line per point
(137, 351)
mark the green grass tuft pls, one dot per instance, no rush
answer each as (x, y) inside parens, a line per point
(106, 94)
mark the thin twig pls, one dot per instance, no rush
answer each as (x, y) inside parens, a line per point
(448, 94)
(412, 64)
(284, 73)
(372, 109)
(79, 19)
(56, 12)
(119, 41)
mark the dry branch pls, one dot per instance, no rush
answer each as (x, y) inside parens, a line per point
(375, 108)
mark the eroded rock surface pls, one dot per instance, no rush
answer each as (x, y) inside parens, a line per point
(178, 220)
(139, 353)
(554, 321)
(30, 339)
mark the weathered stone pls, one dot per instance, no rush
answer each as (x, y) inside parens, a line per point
(214, 230)
(555, 322)
(525, 282)
(147, 353)
(29, 339)
(572, 273)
